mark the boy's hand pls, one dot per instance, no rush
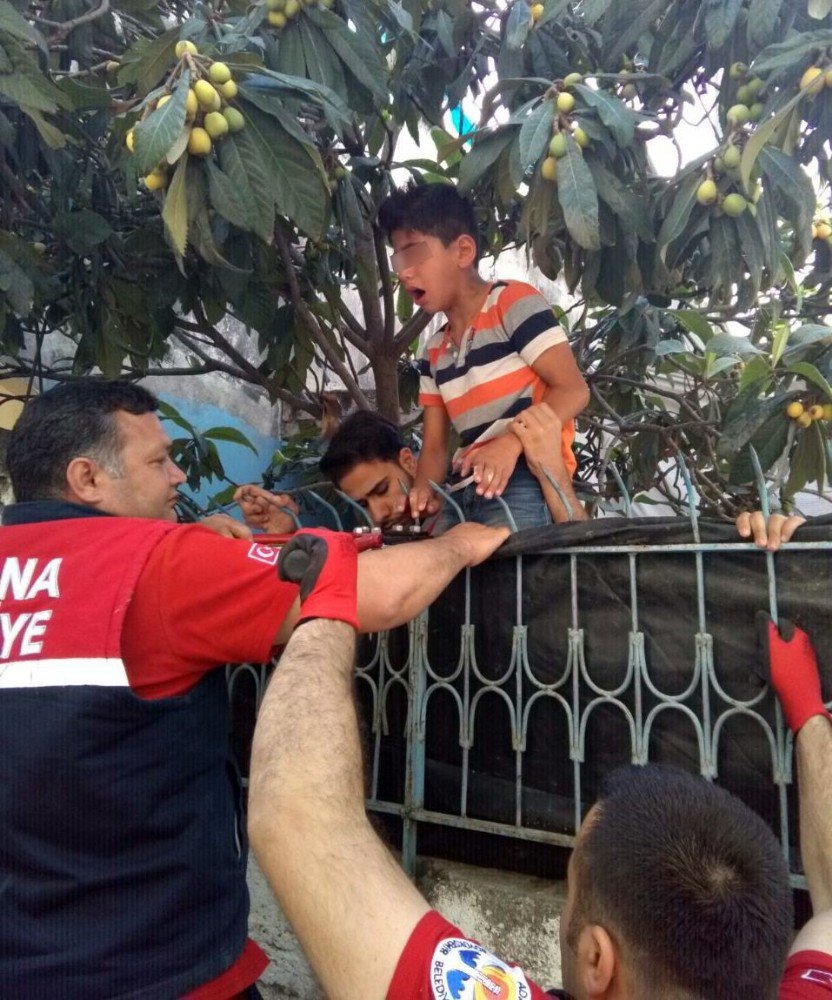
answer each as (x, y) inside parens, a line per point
(264, 511)
(492, 464)
(422, 500)
(768, 534)
(538, 429)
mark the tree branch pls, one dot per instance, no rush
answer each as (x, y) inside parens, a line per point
(412, 328)
(65, 28)
(245, 368)
(383, 264)
(313, 326)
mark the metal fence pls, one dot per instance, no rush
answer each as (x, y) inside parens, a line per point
(401, 677)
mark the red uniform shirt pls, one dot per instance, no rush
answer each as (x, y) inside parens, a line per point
(202, 600)
(808, 976)
(440, 963)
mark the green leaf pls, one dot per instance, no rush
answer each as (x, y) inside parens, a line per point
(769, 440)
(270, 81)
(248, 160)
(535, 133)
(727, 345)
(230, 434)
(779, 341)
(762, 135)
(226, 199)
(694, 322)
(322, 62)
(292, 172)
(356, 50)
(762, 20)
(17, 285)
(752, 247)
(615, 114)
(82, 230)
(14, 24)
(153, 61)
(161, 129)
(248, 179)
(811, 374)
(805, 336)
(175, 211)
(807, 462)
(745, 416)
(26, 84)
(720, 18)
(790, 53)
(518, 26)
(627, 204)
(482, 155)
(793, 183)
(677, 218)
(53, 137)
(578, 197)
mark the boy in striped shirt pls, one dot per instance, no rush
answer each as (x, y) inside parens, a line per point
(499, 353)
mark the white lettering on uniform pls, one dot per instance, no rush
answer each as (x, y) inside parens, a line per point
(10, 628)
(18, 579)
(34, 631)
(48, 580)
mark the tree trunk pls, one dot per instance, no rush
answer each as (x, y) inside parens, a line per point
(385, 370)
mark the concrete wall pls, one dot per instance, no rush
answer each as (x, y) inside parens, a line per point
(516, 916)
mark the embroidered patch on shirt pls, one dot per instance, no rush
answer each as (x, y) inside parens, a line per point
(463, 970)
(264, 553)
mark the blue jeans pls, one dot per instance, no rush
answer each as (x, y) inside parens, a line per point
(523, 496)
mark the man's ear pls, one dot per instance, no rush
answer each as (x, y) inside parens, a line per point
(466, 250)
(84, 480)
(407, 460)
(598, 962)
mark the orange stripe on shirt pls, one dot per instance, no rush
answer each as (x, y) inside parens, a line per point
(430, 399)
(514, 292)
(491, 390)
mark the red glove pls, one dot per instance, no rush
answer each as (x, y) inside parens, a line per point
(792, 669)
(325, 565)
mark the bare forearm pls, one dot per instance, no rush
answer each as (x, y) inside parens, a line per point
(814, 770)
(395, 584)
(349, 903)
(554, 502)
(432, 464)
(567, 402)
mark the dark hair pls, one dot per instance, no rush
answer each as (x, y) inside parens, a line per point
(70, 420)
(691, 880)
(363, 437)
(434, 209)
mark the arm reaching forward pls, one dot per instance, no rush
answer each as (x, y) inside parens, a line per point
(350, 904)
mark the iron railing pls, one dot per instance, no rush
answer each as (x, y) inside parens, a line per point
(400, 670)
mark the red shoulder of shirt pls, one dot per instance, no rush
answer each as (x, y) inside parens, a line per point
(439, 961)
(201, 601)
(808, 976)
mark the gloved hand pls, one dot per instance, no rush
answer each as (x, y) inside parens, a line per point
(791, 667)
(325, 565)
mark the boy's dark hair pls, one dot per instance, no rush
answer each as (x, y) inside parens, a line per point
(363, 437)
(434, 209)
(70, 420)
(691, 880)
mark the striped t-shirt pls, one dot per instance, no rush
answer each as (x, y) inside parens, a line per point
(489, 380)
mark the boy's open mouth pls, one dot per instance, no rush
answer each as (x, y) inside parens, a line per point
(417, 294)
